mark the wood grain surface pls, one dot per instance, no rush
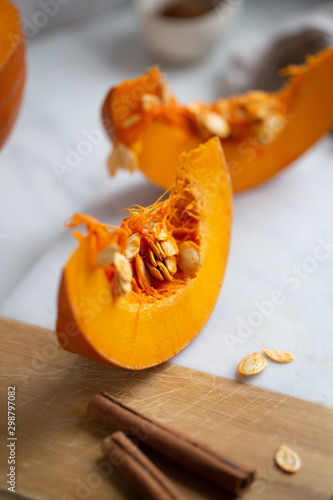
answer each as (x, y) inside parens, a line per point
(58, 446)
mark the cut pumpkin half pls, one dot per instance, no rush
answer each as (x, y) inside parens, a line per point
(136, 295)
(261, 133)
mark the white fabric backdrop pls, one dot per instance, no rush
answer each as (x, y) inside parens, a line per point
(276, 226)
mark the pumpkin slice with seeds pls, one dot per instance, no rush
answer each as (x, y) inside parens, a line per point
(135, 295)
(261, 133)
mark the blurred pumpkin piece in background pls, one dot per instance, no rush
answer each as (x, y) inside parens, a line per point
(12, 67)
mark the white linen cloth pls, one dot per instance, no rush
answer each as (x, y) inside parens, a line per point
(277, 226)
(40, 15)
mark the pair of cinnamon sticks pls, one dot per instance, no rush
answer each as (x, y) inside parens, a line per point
(144, 476)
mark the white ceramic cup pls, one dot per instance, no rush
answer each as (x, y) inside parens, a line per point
(182, 40)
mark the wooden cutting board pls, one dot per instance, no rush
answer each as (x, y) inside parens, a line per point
(58, 446)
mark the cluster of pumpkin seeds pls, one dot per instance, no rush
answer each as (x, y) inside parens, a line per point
(256, 363)
(258, 110)
(152, 255)
(287, 459)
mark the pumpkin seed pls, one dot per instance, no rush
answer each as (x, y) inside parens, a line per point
(171, 264)
(287, 459)
(166, 95)
(215, 123)
(123, 267)
(165, 273)
(122, 287)
(130, 121)
(189, 258)
(151, 257)
(107, 255)
(141, 273)
(279, 356)
(133, 246)
(160, 231)
(155, 247)
(209, 120)
(122, 157)
(252, 364)
(169, 248)
(150, 101)
(155, 273)
(160, 249)
(196, 108)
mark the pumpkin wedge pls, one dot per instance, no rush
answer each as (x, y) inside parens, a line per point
(136, 295)
(261, 133)
(12, 67)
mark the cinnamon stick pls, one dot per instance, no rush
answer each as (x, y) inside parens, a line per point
(139, 471)
(185, 451)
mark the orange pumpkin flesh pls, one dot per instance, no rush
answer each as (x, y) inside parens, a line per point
(150, 324)
(266, 131)
(12, 67)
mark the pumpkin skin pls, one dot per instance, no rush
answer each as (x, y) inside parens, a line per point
(304, 112)
(12, 67)
(138, 330)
